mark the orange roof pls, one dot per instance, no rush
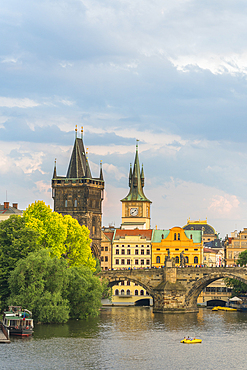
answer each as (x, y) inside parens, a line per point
(144, 234)
(208, 250)
(109, 234)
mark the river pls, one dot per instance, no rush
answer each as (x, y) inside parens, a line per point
(134, 338)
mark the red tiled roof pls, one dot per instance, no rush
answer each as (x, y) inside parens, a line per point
(109, 235)
(144, 234)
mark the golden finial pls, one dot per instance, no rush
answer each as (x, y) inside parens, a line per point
(81, 130)
(156, 227)
(75, 128)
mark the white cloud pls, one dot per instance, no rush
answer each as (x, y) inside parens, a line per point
(217, 64)
(19, 103)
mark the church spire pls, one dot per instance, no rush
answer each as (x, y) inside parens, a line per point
(142, 176)
(136, 181)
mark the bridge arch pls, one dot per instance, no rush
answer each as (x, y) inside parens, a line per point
(116, 280)
(195, 290)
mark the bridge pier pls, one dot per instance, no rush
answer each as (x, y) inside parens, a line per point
(169, 296)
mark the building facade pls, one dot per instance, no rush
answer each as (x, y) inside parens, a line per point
(177, 243)
(131, 249)
(106, 250)
(234, 245)
(79, 194)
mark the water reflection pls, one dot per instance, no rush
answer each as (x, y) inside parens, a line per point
(134, 338)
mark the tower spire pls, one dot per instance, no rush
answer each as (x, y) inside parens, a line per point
(101, 171)
(136, 181)
(55, 169)
(142, 176)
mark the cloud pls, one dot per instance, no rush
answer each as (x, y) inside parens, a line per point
(15, 102)
(224, 206)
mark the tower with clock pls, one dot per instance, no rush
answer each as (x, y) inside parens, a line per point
(136, 206)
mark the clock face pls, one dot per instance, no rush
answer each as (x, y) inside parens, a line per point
(133, 211)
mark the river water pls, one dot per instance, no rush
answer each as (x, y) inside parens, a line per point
(134, 338)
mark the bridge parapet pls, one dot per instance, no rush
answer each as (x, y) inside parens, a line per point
(175, 289)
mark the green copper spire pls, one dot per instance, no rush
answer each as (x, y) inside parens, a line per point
(136, 181)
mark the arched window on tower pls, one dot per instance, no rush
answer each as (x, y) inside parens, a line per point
(94, 225)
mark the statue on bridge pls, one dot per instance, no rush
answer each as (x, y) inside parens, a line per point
(182, 260)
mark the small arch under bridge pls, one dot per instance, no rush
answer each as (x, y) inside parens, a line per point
(175, 289)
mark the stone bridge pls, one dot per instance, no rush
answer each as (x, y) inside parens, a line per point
(175, 289)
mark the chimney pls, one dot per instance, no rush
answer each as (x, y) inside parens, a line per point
(15, 205)
(6, 205)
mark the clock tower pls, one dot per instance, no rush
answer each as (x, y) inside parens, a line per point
(135, 206)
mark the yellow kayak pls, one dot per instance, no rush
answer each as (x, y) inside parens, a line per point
(217, 308)
(191, 341)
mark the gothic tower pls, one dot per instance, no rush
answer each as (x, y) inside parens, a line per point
(79, 194)
(135, 206)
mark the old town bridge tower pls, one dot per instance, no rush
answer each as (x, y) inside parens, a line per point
(79, 194)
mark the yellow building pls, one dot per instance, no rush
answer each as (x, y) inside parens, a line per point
(127, 293)
(174, 242)
(234, 245)
(106, 249)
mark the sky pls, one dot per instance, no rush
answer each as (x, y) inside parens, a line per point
(172, 74)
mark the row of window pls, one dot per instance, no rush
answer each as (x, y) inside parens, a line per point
(106, 258)
(136, 251)
(128, 246)
(137, 262)
(127, 283)
(91, 203)
(177, 249)
(177, 259)
(104, 249)
(122, 292)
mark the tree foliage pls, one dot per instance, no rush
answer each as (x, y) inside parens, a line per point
(62, 235)
(16, 241)
(52, 291)
(238, 288)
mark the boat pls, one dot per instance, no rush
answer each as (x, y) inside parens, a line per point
(18, 322)
(191, 341)
(219, 308)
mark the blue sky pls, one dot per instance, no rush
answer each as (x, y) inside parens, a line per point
(169, 73)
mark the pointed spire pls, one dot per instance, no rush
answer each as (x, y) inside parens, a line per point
(101, 172)
(78, 166)
(136, 181)
(142, 176)
(55, 169)
(130, 175)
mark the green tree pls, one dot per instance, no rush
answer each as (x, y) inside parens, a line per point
(38, 283)
(16, 242)
(238, 288)
(242, 258)
(62, 235)
(52, 291)
(84, 292)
